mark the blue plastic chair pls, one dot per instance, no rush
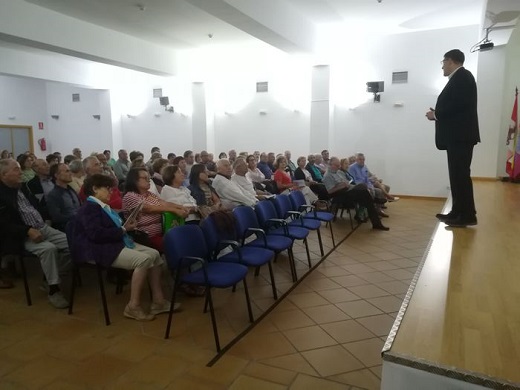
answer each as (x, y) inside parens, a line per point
(247, 225)
(76, 279)
(186, 246)
(309, 211)
(285, 210)
(250, 256)
(274, 225)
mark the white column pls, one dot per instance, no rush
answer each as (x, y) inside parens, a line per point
(321, 109)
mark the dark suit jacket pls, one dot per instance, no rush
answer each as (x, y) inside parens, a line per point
(456, 112)
(34, 186)
(13, 231)
(96, 237)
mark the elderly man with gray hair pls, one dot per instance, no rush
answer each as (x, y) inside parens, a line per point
(231, 194)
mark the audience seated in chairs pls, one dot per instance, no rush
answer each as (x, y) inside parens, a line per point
(23, 227)
(229, 192)
(40, 185)
(341, 191)
(62, 202)
(26, 161)
(100, 236)
(149, 220)
(78, 174)
(210, 165)
(92, 166)
(301, 173)
(315, 172)
(263, 166)
(174, 192)
(157, 168)
(202, 191)
(181, 162)
(285, 184)
(240, 177)
(359, 172)
(122, 165)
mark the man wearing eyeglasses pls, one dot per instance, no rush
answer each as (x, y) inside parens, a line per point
(457, 132)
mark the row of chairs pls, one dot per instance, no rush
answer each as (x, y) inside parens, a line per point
(259, 235)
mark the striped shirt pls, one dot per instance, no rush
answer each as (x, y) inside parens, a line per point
(151, 224)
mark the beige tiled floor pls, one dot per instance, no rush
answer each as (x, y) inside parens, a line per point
(326, 333)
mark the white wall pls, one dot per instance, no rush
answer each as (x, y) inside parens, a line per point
(398, 141)
(511, 80)
(25, 100)
(76, 126)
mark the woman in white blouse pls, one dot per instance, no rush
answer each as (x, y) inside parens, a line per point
(173, 191)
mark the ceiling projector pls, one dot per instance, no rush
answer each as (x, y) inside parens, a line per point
(486, 46)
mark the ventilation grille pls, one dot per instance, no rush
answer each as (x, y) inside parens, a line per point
(75, 97)
(157, 92)
(262, 86)
(399, 77)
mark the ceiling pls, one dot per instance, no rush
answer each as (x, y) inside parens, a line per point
(290, 25)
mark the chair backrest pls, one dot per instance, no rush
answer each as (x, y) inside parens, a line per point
(283, 205)
(184, 241)
(265, 211)
(245, 218)
(297, 199)
(219, 226)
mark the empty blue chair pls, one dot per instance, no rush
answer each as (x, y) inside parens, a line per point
(309, 211)
(285, 210)
(273, 225)
(250, 256)
(186, 246)
(247, 225)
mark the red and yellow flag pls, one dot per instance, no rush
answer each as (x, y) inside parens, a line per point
(513, 143)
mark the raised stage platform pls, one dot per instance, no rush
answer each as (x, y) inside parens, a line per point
(459, 325)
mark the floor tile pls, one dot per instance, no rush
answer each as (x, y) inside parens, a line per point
(244, 382)
(307, 299)
(290, 319)
(306, 382)
(347, 331)
(273, 374)
(359, 308)
(338, 295)
(326, 313)
(332, 360)
(379, 325)
(309, 338)
(368, 291)
(364, 379)
(294, 362)
(387, 304)
(367, 351)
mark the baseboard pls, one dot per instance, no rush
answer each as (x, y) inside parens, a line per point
(421, 197)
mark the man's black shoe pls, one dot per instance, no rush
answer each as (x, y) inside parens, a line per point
(380, 227)
(461, 222)
(444, 217)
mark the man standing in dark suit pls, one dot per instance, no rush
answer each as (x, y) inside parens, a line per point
(456, 131)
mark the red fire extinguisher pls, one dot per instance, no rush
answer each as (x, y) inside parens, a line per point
(43, 144)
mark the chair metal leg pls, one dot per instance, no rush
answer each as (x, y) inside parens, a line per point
(170, 314)
(213, 319)
(234, 288)
(332, 234)
(257, 271)
(273, 286)
(75, 275)
(320, 242)
(351, 220)
(248, 301)
(103, 295)
(205, 304)
(308, 253)
(292, 265)
(25, 282)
